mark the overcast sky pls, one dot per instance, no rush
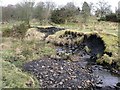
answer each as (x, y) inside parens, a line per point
(113, 3)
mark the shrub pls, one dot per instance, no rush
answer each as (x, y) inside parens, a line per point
(111, 17)
(17, 31)
(102, 19)
(6, 32)
(57, 17)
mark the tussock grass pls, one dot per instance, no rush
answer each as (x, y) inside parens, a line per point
(18, 53)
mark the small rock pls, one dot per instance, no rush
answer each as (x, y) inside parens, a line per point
(51, 71)
(88, 81)
(73, 76)
(99, 86)
(118, 84)
(43, 66)
(79, 87)
(61, 83)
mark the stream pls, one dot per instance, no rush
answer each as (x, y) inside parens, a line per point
(105, 79)
(80, 72)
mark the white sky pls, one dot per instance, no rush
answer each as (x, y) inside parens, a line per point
(113, 3)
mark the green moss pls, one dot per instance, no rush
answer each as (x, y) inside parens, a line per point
(110, 40)
(15, 78)
(87, 49)
(105, 59)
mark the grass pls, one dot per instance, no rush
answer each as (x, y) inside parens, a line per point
(19, 80)
(16, 52)
(93, 25)
(9, 25)
(22, 51)
(110, 40)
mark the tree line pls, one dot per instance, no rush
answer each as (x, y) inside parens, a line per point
(48, 12)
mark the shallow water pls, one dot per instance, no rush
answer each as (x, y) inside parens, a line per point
(107, 78)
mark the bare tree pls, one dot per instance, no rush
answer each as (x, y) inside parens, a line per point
(43, 10)
(8, 13)
(92, 8)
(85, 12)
(103, 8)
(24, 10)
(39, 11)
(70, 11)
(49, 7)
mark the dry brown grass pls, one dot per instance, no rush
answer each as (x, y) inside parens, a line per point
(33, 34)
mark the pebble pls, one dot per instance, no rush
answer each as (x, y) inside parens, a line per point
(99, 85)
(43, 66)
(88, 81)
(61, 83)
(58, 73)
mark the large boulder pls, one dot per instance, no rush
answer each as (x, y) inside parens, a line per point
(33, 34)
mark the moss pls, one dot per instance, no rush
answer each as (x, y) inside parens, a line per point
(19, 80)
(20, 52)
(105, 59)
(110, 41)
(87, 49)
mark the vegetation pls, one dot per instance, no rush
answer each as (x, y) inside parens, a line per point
(14, 54)
(19, 80)
(85, 12)
(17, 49)
(111, 17)
(65, 14)
(17, 31)
(110, 46)
(103, 8)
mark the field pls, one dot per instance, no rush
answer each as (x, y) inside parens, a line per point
(33, 46)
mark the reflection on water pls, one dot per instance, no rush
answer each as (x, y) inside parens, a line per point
(105, 76)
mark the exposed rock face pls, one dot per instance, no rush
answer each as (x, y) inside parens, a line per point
(33, 34)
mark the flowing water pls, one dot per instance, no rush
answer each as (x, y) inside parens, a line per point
(104, 77)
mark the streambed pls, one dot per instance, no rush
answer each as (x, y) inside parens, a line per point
(77, 70)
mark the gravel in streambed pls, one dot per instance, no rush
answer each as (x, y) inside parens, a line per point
(53, 73)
